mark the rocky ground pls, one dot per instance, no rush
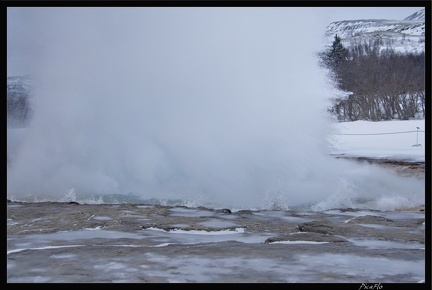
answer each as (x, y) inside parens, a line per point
(70, 242)
(403, 168)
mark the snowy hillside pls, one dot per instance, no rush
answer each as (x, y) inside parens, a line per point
(407, 35)
(418, 16)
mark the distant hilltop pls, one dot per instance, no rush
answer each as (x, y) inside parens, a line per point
(418, 16)
(405, 36)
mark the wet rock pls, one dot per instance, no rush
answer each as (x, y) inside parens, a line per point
(311, 237)
(349, 209)
(224, 210)
(244, 211)
(78, 237)
(371, 219)
(323, 227)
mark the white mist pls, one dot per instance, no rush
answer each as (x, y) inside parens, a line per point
(223, 106)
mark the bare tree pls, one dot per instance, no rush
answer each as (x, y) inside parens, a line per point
(385, 85)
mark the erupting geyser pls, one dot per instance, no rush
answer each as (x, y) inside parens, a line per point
(222, 106)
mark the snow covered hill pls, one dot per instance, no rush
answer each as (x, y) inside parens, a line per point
(405, 36)
(418, 16)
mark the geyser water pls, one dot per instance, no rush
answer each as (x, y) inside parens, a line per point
(224, 107)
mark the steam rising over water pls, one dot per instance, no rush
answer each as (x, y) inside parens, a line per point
(222, 107)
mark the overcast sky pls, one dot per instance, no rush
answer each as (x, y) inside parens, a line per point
(332, 14)
(20, 51)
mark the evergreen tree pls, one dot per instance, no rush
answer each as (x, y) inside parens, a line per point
(336, 56)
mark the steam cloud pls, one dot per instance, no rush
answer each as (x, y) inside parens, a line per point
(223, 105)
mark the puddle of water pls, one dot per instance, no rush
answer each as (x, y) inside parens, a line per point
(380, 244)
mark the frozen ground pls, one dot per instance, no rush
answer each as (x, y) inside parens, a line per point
(61, 242)
(392, 140)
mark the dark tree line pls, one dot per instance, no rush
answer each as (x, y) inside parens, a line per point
(18, 107)
(381, 84)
